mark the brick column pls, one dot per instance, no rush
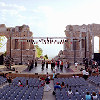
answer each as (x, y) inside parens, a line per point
(80, 45)
(99, 44)
(93, 46)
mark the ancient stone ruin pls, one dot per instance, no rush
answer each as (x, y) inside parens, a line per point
(20, 49)
(80, 42)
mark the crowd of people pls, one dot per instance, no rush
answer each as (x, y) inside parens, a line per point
(90, 64)
(55, 64)
(31, 64)
(90, 67)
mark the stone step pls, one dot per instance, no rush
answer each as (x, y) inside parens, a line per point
(48, 95)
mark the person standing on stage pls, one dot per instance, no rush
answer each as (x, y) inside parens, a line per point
(51, 64)
(66, 64)
(28, 63)
(42, 65)
(44, 62)
(58, 63)
(61, 65)
(32, 63)
(55, 63)
(47, 64)
(35, 63)
(76, 64)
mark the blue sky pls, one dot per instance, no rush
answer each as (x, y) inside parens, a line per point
(49, 17)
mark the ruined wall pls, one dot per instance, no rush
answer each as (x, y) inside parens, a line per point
(78, 33)
(28, 50)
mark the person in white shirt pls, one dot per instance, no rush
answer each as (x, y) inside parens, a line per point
(69, 92)
(94, 96)
(76, 92)
(87, 73)
(76, 64)
(84, 73)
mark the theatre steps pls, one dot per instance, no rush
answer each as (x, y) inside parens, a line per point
(48, 95)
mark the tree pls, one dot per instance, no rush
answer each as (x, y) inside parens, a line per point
(5, 53)
(39, 51)
(1, 39)
(46, 56)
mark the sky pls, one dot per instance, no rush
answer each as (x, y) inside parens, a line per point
(49, 17)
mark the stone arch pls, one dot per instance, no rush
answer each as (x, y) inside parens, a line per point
(96, 44)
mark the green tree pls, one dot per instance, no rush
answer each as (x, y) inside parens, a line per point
(1, 39)
(5, 53)
(46, 56)
(39, 51)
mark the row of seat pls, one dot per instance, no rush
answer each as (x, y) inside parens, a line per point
(2, 80)
(35, 92)
(95, 80)
(79, 81)
(14, 92)
(31, 81)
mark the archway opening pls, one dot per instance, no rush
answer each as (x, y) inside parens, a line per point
(96, 44)
(52, 49)
(3, 43)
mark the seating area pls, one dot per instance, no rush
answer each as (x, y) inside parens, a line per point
(95, 80)
(32, 82)
(14, 92)
(2, 80)
(79, 81)
(34, 90)
(75, 84)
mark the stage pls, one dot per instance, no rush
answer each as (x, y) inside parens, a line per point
(58, 70)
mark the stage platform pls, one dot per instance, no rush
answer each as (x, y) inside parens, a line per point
(38, 70)
(35, 72)
(23, 72)
(23, 69)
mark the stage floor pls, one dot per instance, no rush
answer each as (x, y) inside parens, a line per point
(40, 71)
(22, 69)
